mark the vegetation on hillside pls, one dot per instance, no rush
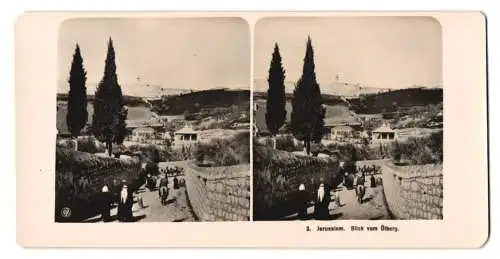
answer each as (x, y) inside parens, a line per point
(416, 151)
(389, 102)
(225, 152)
(429, 116)
(128, 100)
(328, 99)
(196, 102)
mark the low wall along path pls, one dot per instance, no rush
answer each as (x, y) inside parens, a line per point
(277, 176)
(79, 176)
(414, 192)
(219, 193)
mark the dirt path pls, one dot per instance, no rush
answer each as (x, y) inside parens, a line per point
(373, 207)
(176, 210)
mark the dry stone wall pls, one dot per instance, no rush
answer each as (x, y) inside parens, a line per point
(277, 176)
(414, 192)
(219, 193)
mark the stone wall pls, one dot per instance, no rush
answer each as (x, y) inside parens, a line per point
(219, 193)
(277, 176)
(414, 192)
(80, 176)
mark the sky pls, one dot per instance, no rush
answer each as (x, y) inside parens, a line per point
(383, 52)
(180, 53)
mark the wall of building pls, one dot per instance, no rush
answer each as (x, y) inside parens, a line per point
(219, 193)
(277, 176)
(414, 192)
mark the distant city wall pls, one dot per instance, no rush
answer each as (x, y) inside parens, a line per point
(414, 192)
(219, 193)
(277, 176)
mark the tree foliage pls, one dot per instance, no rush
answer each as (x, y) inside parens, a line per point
(109, 118)
(307, 118)
(276, 99)
(77, 115)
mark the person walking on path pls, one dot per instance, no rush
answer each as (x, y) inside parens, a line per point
(105, 200)
(322, 201)
(176, 190)
(302, 202)
(140, 200)
(162, 184)
(373, 183)
(125, 205)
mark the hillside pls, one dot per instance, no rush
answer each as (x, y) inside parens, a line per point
(334, 113)
(338, 88)
(134, 113)
(139, 89)
(261, 85)
(397, 99)
(128, 100)
(195, 102)
(327, 98)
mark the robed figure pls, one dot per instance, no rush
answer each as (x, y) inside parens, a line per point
(302, 203)
(322, 200)
(125, 204)
(373, 183)
(105, 202)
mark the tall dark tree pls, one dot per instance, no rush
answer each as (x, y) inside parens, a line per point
(109, 117)
(77, 115)
(307, 110)
(276, 99)
(121, 127)
(354, 154)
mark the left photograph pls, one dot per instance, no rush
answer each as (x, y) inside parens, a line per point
(153, 120)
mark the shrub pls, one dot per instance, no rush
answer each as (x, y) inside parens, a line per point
(88, 145)
(149, 152)
(225, 152)
(65, 144)
(286, 143)
(425, 150)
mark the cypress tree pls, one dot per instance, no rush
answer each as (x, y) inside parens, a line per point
(276, 99)
(108, 119)
(307, 109)
(77, 115)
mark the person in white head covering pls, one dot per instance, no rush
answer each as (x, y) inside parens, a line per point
(124, 194)
(303, 199)
(105, 200)
(322, 200)
(125, 204)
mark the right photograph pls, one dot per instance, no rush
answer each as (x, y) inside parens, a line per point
(348, 118)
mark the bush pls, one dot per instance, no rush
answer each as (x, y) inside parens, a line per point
(417, 151)
(225, 152)
(149, 152)
(348, 151)
(286, 143)
(65, 144)
(88, 145)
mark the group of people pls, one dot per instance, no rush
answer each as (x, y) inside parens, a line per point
(163, 188)
(123, 194)
(369, 169)
(124, 199)
(322, 199)
(322, 196)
